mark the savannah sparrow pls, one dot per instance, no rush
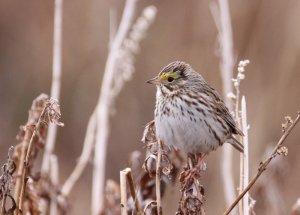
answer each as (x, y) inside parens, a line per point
(189, 114)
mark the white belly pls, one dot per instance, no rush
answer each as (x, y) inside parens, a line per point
(186, 131)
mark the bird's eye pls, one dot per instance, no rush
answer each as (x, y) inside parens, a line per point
(170, 79)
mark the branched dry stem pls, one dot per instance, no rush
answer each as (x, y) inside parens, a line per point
(43, 111)
(278, 149)
(118, 69)
(20, 192)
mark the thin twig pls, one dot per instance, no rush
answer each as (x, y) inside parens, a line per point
(104, 106)
(263, 165)
(128, 177)
(113, 26)
(42, 112)
(221, 15)
(157, 179)
(56, 82)
(133, 191)
(118, 70)
(238, 121)
(85, 156)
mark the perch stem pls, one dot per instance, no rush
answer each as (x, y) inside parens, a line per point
(87, 150)
(245, 157)
(56, 81)
(264, 165)
(157, 179)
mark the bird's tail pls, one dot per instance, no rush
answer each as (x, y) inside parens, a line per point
(236, 144)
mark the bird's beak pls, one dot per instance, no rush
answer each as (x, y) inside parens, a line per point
(155, 81)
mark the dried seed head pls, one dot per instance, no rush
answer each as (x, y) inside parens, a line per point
(287, 123)
(231, 95)
(282, 151)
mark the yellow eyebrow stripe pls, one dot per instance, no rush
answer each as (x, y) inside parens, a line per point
(165, 76)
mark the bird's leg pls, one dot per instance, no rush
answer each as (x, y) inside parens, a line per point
(201, 165)
(196, 163)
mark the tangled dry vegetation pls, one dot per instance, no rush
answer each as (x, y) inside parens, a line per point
(25, 191)
(22, 188)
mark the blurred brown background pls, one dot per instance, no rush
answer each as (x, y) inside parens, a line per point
(266, 32)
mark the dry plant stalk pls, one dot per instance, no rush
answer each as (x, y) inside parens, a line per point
(84, 158)
(118, 69)
(241, 119)
(126, 178)
(157, 178)
(32, 136)
(143, 196)
(279, 149)
(123, 191)
(245, 158)
(55, 182)
(269, 189)
(221, 15)
(56, 81)
(104, 107)
(25, 135)
(158, 164)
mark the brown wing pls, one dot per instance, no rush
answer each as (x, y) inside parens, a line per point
(221, 110)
